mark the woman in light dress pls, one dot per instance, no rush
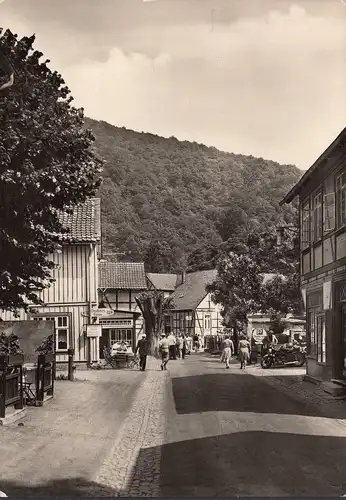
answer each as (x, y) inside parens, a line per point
(244, 349)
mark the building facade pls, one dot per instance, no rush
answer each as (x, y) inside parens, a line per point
(119, 284)
(322, 202)
(69, 300)
(193, 311)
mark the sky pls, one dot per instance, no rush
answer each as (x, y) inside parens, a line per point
(259, 77)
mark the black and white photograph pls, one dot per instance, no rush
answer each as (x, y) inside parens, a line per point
(172, 248)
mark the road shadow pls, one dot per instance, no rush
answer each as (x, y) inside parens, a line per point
(63, 488)
(240, 393)
(254, 464)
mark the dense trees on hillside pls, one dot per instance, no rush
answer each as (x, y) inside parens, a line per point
(186, 196)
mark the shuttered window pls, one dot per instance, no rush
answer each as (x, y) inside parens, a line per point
(341, 200)
(329, 212)
(306, 225)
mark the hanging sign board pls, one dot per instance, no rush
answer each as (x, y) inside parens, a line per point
(102, 312)
(94, 330)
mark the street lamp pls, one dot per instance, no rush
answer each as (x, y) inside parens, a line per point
(280, 231)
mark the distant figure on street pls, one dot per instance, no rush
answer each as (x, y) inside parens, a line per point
(272, 337)
(142, 348)
(196, 343)
(172, 346)
(228, 348)
(164, 350)
(178, 345)
(244, 349)
(183, 346)
(188, 344)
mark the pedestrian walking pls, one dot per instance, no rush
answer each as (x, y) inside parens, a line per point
(142, 349)
(178, 346)
(244, 349)
(172, 346)
(228, 349)
(164, 350)
(183, 346)
(195, 343)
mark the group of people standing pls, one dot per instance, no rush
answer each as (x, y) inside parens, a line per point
(244, 350)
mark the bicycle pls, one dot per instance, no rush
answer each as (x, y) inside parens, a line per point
(109, 358)
(133, 363)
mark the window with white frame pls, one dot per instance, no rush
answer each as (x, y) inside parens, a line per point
(120, 335)
(318, 222)
(329, 212)
(341, 199)
(62, 328)
(207, 321)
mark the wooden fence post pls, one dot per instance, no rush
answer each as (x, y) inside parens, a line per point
(3, 392)
(39, 378)
(70, 373)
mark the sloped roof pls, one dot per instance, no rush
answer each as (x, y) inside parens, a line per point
(163, 282)
(189, 294)
(122, 275)
(84, 224)
(320, 162)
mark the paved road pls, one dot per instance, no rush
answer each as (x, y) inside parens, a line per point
(231, 433)
(60, 448)
(195, 430)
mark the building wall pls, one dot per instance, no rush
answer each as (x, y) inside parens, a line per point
(327, 313)
(323, 267)
(208, 317)
(205, 320)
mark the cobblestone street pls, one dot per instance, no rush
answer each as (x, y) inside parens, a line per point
(197, 429)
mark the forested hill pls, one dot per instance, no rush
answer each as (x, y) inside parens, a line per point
(162, 198)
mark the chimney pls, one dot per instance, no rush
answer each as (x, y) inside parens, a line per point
(181, 278)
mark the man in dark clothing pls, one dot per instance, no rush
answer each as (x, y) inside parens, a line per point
(142, 348)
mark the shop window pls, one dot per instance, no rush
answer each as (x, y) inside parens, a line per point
(321, 338)
(120, 335)
(311, 332)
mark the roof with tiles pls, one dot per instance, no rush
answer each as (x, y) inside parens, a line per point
(190, 294)
(163, 282)
(122, 275)
(84, 224)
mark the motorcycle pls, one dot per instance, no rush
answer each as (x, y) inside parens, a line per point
(284, 355)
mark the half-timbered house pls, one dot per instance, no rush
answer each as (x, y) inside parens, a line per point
(322, 200)
(193, 311)
(119, 284)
